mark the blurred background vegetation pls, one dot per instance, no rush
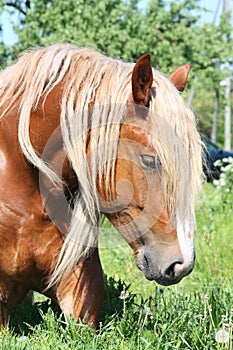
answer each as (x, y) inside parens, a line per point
(171, 31)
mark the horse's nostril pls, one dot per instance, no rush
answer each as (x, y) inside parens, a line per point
(170, 271)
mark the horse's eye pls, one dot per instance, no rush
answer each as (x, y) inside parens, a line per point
(150, 161)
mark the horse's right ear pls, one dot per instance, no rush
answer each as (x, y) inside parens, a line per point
(142, 79)
(180, 76)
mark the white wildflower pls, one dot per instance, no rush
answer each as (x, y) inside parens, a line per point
(123, 295)
(218, 162)
(222, 336)
(205, 298)
(227, 168)
(222, 182)
(216, 182)
(148, 311)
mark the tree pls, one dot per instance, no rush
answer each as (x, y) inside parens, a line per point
(108, 25)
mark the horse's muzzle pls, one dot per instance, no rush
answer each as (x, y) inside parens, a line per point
(172, 273)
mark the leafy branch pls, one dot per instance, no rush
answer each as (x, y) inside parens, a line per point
(18, 7)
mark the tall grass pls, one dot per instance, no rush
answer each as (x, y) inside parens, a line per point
(195, 314)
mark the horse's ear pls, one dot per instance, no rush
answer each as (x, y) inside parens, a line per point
(142, 79)
(180, 76)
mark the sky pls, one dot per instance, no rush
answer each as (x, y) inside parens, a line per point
(9, 37)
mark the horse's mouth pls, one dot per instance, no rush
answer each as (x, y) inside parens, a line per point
(159, 278)
(166, 282)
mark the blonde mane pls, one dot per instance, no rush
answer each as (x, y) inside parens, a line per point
(92, 80)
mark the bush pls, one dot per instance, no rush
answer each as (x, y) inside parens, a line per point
(225, 182)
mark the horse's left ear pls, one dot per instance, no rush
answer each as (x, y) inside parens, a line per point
(142, 79)
(180, 76)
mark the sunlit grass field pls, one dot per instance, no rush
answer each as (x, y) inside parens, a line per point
(195, 314)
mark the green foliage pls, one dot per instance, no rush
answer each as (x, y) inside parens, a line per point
(170, 33)
(119, 28)
(165, 320)
(110, 26)
(225, 182)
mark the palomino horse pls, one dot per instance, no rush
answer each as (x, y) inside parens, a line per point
(83, 135)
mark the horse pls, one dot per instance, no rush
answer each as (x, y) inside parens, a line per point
(82, 137)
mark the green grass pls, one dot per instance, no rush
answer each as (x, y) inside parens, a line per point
(184, 316)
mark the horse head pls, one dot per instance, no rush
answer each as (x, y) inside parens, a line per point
(162, 238)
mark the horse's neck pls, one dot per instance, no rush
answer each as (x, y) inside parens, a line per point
(45, 121)
(46, 137)
(45, 134)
